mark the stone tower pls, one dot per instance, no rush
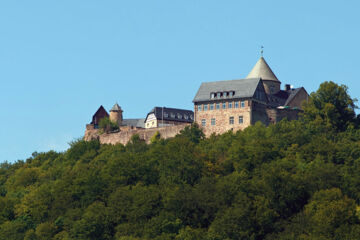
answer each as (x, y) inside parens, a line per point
(116, 114)
(263, 71)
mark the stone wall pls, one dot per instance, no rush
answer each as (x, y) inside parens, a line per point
(124, 135)
(222, 117)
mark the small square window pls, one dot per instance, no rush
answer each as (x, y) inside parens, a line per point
(224, 105)
(205, 107)
(213, 122)
(230, 104)
(241, 120)
(242, 104)
(217, 106)
(199, 107)
(203, 122)
(231, 120)
(211, 106)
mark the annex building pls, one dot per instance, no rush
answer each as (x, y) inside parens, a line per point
(236, 104)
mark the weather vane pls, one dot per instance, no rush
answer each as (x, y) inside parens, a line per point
(262, 50)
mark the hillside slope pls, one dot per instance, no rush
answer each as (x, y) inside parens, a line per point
(293, 180)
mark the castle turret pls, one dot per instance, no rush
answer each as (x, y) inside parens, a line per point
(263, 71)
(116, 114)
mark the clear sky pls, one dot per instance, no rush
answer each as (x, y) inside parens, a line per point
(61, 60)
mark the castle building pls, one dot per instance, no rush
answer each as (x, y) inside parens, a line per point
(163, 117)
(115, 116)
(98, 115)
(236, 104)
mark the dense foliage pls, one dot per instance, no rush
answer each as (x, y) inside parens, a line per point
(293, 180)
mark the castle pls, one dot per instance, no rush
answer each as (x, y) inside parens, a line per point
(218, 107)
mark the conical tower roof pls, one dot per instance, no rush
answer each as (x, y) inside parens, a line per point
(115, 108)
(263, 71)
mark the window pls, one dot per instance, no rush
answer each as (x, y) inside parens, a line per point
(179, 116)
(218, 95)
(231, 94)
(242, 104)
(191, 117)
(236, 104)
(199, 107)
(172, 115)
(224, 106)
(205, 107)
(231, 120)
(241, 120)
(186, 117)
(217, 106)
(213, 121)
(211, 106)
(212, 95)
(203, 122)
(230, 105)
(166, 115)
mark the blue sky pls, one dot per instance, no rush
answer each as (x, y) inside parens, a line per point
(61, 60)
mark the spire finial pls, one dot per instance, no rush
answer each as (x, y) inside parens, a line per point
(262, 50)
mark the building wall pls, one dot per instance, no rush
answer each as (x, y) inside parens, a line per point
(151, 121)
(116, 116)
(222, 117)
(275, 115)
(259, 113)
(271, 87)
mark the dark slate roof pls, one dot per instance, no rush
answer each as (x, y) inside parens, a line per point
(138, 122)
(115, 108)
(282, 98)
(172, 114)
(243, 88)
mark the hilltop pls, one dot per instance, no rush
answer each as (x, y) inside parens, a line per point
(291, 180)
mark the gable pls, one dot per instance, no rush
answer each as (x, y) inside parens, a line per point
(260, 93)
(297, 97)
(99, 114)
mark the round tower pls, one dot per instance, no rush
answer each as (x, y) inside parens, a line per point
(116, 114)
(263, 71)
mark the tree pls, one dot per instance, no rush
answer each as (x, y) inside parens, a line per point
(107, 125)
(331, 105)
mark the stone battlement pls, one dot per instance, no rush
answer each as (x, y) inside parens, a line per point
(124, 135)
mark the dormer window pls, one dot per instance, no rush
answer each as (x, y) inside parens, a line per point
(186, 117)
(212, 95)
(166, 114)
(179, 116)
(231, 93)
(191, 117)
(172, 115)
(218, 95)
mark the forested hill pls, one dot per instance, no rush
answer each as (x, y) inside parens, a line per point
(292, 180)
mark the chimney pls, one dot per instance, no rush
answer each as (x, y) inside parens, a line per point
(287, 87)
